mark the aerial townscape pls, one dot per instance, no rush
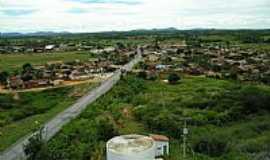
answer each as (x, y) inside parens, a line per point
(134, 80)
(138, 95)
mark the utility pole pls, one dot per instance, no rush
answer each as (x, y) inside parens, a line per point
(185, 133)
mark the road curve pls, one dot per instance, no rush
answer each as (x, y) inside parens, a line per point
(15, 152)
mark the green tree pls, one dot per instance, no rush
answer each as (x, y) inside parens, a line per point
(142, 75)
(120, 45)
(173, 78)
(106, 129)
(3, 77)
(27, 72)
(27, 67)
(37, 148)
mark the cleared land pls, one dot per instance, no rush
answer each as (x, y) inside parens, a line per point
(11, 62)
(23, 113)
(225, 123)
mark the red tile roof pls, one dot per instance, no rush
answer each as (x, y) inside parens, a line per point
(159, 137)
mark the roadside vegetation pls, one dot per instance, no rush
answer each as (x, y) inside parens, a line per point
(229, 120)
(22, 113)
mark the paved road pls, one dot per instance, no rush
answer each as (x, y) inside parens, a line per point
(15, 152)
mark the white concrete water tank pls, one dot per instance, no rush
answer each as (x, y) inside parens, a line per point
(131, 147)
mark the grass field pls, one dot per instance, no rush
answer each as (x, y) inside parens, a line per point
(26, 112)
(223, 124)
(11, 62)
(259, 47)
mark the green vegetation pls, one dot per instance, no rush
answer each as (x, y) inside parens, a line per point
(22, 113)
(12, 62)
(230, 120)
(3, 77)
(173, 78)
(223, 125)
(36, 143)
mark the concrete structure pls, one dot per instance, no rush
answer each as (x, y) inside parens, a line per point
(137, 147)
(131, 147)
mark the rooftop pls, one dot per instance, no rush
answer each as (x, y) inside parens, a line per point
(129, 144)
(159, 137)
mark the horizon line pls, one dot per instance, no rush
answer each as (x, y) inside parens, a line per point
(146, 29)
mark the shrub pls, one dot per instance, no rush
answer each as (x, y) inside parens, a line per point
(3, 77)
(254, 100)
(36, 149)
(212, 145)
(142, 75)
(2, 123)
(173, 78)
(18, 115)
(106, 128)
(152, 76)
(6, 102)
(262, 156)
(27, 67)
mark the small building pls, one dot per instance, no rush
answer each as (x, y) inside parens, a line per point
(162, 144)
(152, 58)
(15, 82)
(131, 147)
(109, 49)
(162, 67)
(38, 49)
(137, 147)
(49, 47)
(36, 83)
(58, 82)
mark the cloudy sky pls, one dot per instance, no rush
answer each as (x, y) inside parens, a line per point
(108, 15)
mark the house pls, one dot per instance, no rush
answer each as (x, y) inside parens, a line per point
(80, 76)
(162, 144)
(179, 46)
(93, 60)
(213, 74)
(15, 82)
(114, 67)
(49, 47)
(38, 49)
(162, 67)
(18, 49)
(109, 49)
(171, 50)
(152, 58)
(96, 51)
(36, 83)
(57, 82)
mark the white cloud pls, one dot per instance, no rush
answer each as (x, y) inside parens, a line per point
(71, 15)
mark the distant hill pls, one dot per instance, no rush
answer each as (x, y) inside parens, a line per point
(17, 34)
(155, 31)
